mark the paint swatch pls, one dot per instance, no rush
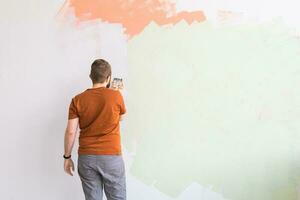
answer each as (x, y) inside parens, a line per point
(133, 15)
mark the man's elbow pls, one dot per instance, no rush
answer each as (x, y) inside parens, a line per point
(70, 132)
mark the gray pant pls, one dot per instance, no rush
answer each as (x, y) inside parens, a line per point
(102, 171)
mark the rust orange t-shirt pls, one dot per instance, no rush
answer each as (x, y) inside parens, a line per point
(98, 110)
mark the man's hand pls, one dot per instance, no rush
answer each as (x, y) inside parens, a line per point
(69, 166)
(118, 88)
(117, 85)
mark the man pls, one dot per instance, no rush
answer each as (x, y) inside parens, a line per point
(97, 111)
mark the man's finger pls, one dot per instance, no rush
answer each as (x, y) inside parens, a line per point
(69, 171)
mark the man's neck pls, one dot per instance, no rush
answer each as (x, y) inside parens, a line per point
(97, 85)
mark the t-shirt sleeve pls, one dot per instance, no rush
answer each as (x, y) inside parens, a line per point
(122, 104)
(73, 113)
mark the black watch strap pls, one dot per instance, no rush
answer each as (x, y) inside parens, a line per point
(67, 157)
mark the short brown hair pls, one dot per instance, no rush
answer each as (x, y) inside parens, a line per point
(100, 71)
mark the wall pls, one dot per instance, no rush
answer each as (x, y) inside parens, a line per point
(211, 87)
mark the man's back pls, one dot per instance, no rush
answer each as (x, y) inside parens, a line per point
(98, 110)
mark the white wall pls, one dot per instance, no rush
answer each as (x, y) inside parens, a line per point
(44, 61)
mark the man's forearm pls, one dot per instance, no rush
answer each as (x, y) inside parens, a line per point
(69, 142)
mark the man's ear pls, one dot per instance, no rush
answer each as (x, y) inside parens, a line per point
(108, 78)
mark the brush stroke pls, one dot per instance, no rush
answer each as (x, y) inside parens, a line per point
(133, 15)
(218, 107)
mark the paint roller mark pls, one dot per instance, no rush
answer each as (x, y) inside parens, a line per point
(239, 129)
(133, 15)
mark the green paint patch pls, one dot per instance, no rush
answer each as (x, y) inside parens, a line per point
(219, 106)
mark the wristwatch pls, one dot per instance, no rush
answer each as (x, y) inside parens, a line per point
(67, 157)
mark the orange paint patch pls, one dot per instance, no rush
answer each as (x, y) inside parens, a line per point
(134, 15)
